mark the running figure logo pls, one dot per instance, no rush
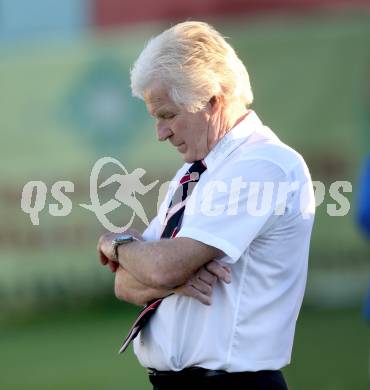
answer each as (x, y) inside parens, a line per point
(129, 185)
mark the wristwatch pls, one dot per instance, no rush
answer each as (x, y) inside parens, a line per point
(121, 239)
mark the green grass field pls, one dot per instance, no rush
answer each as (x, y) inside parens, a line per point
(78, 351)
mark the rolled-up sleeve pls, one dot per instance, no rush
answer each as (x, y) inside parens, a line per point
(235, 203)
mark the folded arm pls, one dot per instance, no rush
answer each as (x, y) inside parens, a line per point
(199, 286)
(129, 289)
(166, 263)
(191, 271)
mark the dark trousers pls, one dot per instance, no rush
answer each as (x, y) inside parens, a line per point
(205, 379)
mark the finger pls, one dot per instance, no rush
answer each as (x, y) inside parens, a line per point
(100, 241)
(98, 244)
(103, 259)
(191, 292)
(219, 271)
(207, 276)
(201, 286)
(195, 293)
(113, 265)
(105, 245)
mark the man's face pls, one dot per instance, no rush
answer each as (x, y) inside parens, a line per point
(186, 131)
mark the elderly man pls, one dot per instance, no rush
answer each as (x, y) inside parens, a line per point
(228, 250)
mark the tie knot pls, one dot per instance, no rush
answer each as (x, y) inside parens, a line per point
(198, 167)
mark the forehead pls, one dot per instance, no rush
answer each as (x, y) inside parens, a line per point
(156, 97)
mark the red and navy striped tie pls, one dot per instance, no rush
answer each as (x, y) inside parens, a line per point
(174, 216)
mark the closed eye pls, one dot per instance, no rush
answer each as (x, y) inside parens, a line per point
(166, 115)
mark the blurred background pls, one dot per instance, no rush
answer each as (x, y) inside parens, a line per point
(65, 102)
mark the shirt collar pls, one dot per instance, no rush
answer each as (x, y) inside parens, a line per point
(233, 139)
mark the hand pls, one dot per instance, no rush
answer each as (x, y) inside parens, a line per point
(200, 286)
(105, 247)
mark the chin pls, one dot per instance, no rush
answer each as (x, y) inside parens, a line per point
(188, 159)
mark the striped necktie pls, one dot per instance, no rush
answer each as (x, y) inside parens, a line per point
(172, 225)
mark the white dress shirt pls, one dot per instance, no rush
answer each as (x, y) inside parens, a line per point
(265, 237)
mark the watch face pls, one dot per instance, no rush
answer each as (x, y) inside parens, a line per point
(119, 240)
(122, 238)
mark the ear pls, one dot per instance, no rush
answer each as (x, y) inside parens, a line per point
(213, 104)
(213, 100)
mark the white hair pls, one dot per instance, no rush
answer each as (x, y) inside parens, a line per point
(195, 63)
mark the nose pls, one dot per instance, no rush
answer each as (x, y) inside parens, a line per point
(163, 132)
